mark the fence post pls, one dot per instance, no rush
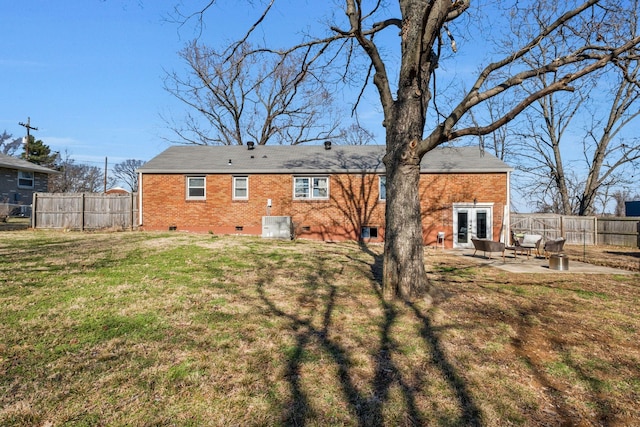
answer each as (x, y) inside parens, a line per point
(131, 209)
(34, 210)
(82, 218)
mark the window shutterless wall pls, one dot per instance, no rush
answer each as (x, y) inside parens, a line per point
(353, 202)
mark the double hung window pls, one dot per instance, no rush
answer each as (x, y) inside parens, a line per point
(25, 179)
(311, 187)
(240, 188)
(196, 188)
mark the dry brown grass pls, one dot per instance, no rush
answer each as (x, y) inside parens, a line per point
(608, 256)
(178, 329)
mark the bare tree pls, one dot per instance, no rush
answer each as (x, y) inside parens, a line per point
(610, 158)
(620, 197)
(589, 36)
(547, 176)
(355, 134)
(8, 145)
(497, 141)
(550, 128)
(76, 178)
(236, 97)
(127, 172)
(605, 158)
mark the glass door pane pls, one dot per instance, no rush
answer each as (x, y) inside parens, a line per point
(481, 224)
(463, 227)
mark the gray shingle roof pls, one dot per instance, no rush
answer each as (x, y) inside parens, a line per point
(19, 164)
(312, 159)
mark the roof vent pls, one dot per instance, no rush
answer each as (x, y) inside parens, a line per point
(327, 145)
(250, 145)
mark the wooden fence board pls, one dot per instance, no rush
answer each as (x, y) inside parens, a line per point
(618, 231)
(582, 230)
(84, 211)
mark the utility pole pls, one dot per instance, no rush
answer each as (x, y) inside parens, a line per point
(29, 127)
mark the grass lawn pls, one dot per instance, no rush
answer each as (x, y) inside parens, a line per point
(154, 329)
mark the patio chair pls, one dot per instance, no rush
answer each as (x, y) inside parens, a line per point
(554, 246)
(486, 245)
(525, 243)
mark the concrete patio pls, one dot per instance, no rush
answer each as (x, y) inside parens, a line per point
(533, 264)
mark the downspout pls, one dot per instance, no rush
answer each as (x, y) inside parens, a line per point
(507, 212)
(140, 175)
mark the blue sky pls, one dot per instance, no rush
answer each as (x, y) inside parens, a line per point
(89, 75)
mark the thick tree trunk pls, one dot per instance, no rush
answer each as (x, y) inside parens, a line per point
(404, 272)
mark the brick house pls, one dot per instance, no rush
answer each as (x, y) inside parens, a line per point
(20, 179)
(328, 193)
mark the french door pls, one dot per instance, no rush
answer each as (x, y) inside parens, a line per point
(471, 220)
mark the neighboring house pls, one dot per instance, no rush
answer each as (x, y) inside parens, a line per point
(328, 193)
(117, 190)
(19, 179)
(632, 208)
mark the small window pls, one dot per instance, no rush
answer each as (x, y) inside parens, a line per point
(25, 179)
(369, 233)
(311, 187)
(196, 187)
(382, 187)
(241, 187)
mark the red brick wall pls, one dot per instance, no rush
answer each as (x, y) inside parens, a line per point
(353, 203)
(439, 192)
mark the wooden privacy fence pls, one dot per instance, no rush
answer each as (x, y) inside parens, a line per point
(583, 230)
(84, 211)
(619, 231)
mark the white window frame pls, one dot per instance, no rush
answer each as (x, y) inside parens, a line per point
(190, 186)
(366, 232)
(382, 184)
(313, 183)
(26, 176)
(236, 180)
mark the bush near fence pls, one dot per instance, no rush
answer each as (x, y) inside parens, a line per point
(583, 230)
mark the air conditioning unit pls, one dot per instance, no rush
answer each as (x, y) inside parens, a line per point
(277, 227)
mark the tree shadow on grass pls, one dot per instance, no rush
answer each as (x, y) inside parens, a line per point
(471, 415)
(366, 407)
(366, 402)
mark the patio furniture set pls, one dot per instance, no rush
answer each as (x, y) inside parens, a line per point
(522, 244)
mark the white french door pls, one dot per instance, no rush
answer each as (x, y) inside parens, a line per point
(471, 220)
